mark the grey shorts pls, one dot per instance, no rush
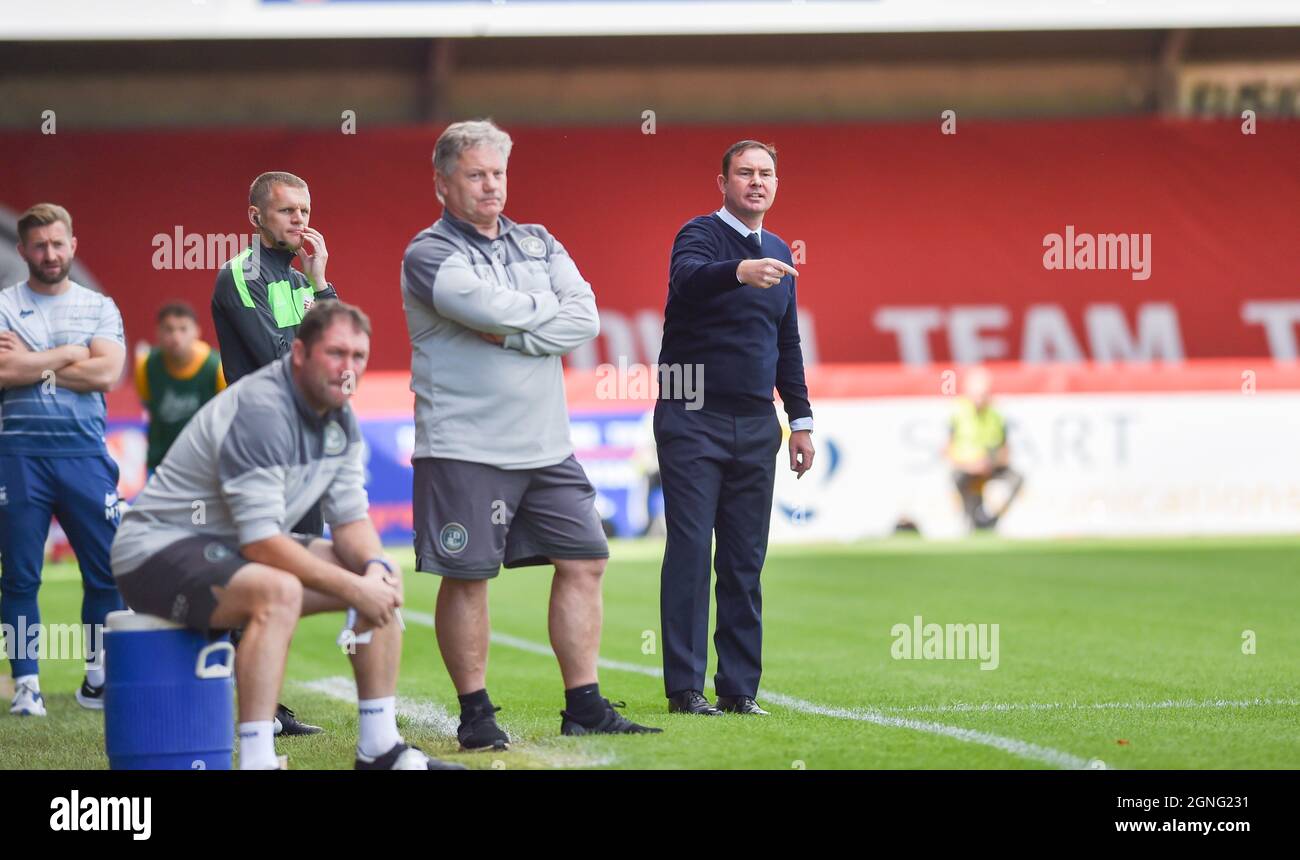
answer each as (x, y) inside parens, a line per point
(176, 582)
(470, 518)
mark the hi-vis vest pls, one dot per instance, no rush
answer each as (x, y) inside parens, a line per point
(975, 434)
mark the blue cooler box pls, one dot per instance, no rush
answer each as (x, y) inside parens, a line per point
(168, 696)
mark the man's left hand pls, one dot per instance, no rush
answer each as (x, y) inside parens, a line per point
(801, 452)
(313, 262)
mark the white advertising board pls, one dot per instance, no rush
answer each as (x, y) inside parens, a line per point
(1094, 464)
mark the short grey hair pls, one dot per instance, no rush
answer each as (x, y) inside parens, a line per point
(460, 136)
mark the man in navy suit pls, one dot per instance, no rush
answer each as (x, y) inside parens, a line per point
(731, 323)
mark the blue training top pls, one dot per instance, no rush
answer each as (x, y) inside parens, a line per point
(45, 419)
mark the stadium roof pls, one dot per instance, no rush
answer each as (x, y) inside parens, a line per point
(252, 19)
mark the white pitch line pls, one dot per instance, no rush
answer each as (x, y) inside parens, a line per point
(1021, 749)
(1018, 748)
(1167, 704)
(432, 717)
(417, 616)
(425, 619)
(426, 715)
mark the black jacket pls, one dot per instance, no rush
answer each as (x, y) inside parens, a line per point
(257, 305)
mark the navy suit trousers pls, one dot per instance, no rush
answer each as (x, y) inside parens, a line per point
(717, 472)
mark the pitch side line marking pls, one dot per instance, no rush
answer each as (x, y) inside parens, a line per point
(1021, 749)
(426, 715)
(1167, 704)
(431, 716)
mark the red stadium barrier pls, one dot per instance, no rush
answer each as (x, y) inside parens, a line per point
(914, 246)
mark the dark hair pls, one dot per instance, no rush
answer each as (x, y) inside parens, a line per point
(323, 314)
(177, 309)
(743, 145)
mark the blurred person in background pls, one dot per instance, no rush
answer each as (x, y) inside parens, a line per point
(645, 463)
(176, 377)
(977, 450)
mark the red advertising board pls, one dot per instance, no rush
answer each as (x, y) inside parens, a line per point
(1106, 240)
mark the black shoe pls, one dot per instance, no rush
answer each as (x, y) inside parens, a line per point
(740, 705)
(405, 757)
(691, 702)
(610, 723)
(91, 698)
(478, 730)
(287, 723)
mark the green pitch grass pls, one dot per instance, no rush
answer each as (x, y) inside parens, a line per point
(1127, 653)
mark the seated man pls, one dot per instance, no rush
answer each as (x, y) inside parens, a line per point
(977, 450)
(206, 543)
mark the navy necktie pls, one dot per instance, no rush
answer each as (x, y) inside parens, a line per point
(755, 243)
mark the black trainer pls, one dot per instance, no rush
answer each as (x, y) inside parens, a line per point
(91, 698)
(478, 730)
(610, 723)
(403, 756)
(287, 723)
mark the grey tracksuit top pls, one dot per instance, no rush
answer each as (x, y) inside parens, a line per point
(485, 403)
(248, 466)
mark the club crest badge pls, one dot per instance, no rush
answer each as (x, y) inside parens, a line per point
(453, 538)
(532, 246)
(216, 552)
(335, 439)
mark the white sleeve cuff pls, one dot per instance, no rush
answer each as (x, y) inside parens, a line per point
(801, 424)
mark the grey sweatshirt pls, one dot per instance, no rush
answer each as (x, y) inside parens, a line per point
(476, 401)
(248, 466)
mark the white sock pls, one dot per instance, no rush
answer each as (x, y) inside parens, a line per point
(95, 674)
(257, 745)
(33, 681)
(378, 726)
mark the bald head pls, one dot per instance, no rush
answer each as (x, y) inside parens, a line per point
(978, 386)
